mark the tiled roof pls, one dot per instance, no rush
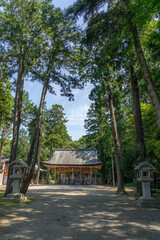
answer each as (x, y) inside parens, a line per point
(74, 157)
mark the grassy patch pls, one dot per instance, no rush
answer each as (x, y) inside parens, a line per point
(29, 200)
(7, 203)
(2, 203)
(2, 192)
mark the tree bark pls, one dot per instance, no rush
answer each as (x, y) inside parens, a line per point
(35, 141)
(1, 146)
(138, 124)
(143, 64)
(116, 147)
(113, 178)
(17, 118)
(17, 109)
(137, 117)
(38, 170)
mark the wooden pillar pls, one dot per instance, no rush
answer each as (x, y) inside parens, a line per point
(90, 175)
(47, 175)
(80, 176)
(68, 178)
(55, 175)
(72, 176)
(58, 177)
(95, 174)
(64, 178)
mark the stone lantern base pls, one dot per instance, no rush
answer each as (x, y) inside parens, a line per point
(148, 202)
(15, 198)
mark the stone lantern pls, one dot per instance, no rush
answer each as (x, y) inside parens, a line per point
(19, 171)
(144, 169)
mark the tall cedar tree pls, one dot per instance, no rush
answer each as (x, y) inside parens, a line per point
(22, 36)
(59, 67)
(127, 12)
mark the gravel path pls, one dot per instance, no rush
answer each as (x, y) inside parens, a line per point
(78, 213)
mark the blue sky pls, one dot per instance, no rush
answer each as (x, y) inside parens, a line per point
(75, 110)
(63, 3)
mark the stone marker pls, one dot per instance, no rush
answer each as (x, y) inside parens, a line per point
(146, 200)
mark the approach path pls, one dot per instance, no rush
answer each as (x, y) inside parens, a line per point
(78, 213)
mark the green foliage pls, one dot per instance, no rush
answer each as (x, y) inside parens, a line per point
(111, 46)
(6, 101)
(6, 148)
(6, 104)
(53, 132)
(152, 135)
(29, 110)
(55, 129)
(23, 145)
(21, 32)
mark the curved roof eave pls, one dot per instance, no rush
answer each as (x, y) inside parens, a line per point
(74, 165)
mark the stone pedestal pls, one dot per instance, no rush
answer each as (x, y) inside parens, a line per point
(148, 202)
(16, 186)
(15, 198)
(146, 189)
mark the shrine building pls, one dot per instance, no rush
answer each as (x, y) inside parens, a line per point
(74, 166)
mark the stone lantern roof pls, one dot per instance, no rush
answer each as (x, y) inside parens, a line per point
(145, 165)
(19, 163)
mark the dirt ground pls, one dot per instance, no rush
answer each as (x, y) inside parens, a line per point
(78, 213)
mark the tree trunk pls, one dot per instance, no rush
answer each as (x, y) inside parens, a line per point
(1, 144)
(38, 170)
(113, 178)
(17, 109)
(17, 118)
(138, 124)
(143, 64)
(137, 117)
(116, 147)
(35, 141)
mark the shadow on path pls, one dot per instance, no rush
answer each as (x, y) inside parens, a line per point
(74, 212)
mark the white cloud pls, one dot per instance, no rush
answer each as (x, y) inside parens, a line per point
(78, 113)
(77, 116)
